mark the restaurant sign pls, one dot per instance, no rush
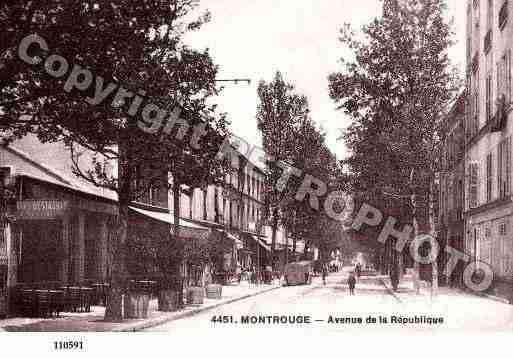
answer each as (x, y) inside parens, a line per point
(3, 252)
(41, 209)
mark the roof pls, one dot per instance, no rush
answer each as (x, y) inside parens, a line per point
(51, 162)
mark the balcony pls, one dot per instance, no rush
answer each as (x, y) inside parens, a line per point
(488, 41)
(503, 15)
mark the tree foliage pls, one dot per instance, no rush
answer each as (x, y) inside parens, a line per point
(397, 91)
(136, 46)
(294, 144)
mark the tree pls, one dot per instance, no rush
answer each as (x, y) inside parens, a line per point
(397, 92)
(136, 59)
(280, 111)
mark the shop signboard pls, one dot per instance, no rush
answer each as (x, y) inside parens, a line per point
(3, 253)
(41, 209)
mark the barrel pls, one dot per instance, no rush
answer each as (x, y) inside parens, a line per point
(136, 305)
(195, 295)
(214, 291)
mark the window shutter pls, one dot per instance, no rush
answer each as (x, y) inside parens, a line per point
(508, 76)
(507, 189)
(474, 185)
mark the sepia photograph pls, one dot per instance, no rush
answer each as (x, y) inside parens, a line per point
(223, 171)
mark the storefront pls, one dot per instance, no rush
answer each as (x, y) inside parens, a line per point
(489, 240)
(58, 235)
(255, 251)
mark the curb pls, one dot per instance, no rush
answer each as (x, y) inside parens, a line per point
(158, 321)
(491, 297)
(424, 293)
(390, 291)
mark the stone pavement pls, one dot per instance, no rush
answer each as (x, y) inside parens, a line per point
(93, 321)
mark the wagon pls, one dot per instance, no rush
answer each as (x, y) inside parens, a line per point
(298, 273)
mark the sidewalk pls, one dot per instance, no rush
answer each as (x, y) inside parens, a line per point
(93, 321)
(459, 309)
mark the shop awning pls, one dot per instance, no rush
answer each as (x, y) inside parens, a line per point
(187, 229)
(236, 240)
(261, 242)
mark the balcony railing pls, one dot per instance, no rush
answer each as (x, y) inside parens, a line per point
(503, 15)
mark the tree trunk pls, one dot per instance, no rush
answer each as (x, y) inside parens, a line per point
(174, 274)
(274, 230)
(432, 229)
(114, 309)
(230, 222)
(286, 246)
(416, 274)
(216, 204)
(205, 214)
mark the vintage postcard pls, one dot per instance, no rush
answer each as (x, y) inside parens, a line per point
(287, 168)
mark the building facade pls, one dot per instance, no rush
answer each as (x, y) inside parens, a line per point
(452, 194)
(488, 131)
(60, 228)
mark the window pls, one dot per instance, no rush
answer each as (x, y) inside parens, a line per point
(469, 34)
(489, 25)
(489, 15)
(503, 15)
(489, 176)
(476, 12)
(504, 77)
(489, 113)
(504, 168)
(507, 248)
(475, 64)
(475, 114)
(503, 229)
(485, 252)
(154, 194)
(473, 185)
(461, 196)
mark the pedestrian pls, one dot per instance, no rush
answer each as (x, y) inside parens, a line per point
(239, 272)
(324, 274)
(351, 281)
(358, 270)
(394, 278)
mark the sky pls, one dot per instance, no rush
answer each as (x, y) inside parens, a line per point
(255, 38)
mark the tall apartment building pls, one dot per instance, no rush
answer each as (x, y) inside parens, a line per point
(488, 133)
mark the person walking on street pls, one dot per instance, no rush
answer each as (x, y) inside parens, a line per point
(324, 274)
(394, 278)
(357, 269)
(352, 283)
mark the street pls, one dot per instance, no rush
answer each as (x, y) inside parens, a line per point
(330, 309)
